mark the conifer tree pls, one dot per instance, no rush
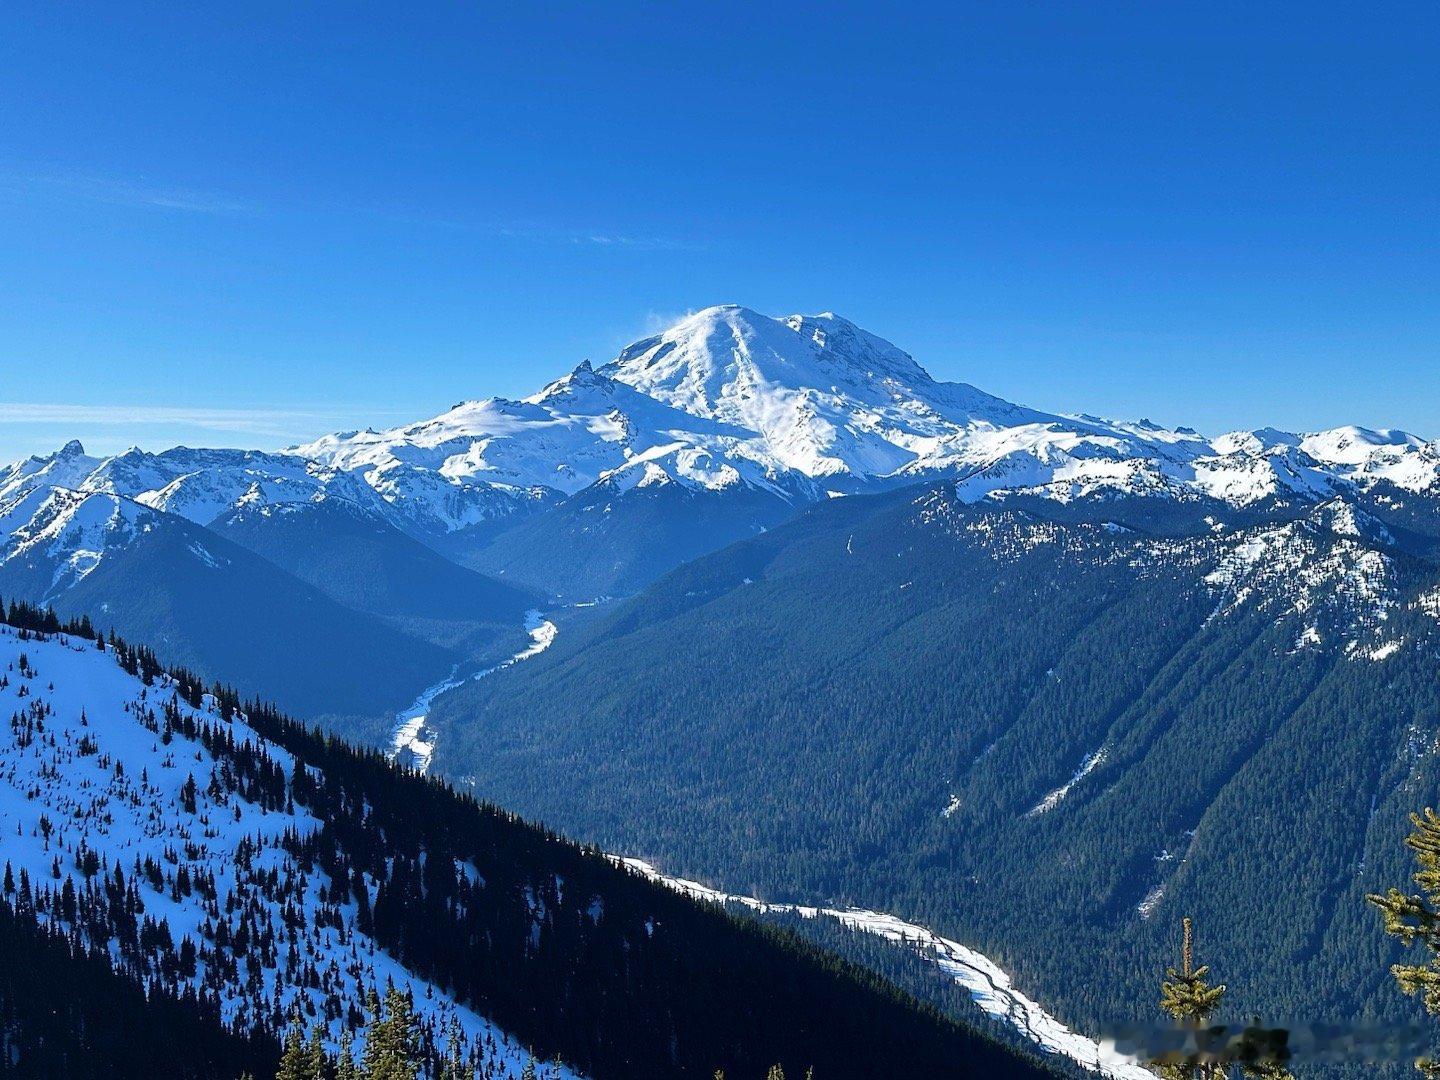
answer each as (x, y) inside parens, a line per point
(391, 1044)
(1416, 918)
(345, 1068)
(453, 1067)
(1186, 994)
(316, 1061)
(293, 1062)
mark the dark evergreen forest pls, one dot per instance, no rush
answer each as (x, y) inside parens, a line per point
(793, 717)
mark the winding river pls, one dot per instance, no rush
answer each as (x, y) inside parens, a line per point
(411, 742)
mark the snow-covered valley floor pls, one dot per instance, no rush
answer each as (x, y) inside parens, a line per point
(411, 742)
(987, 983)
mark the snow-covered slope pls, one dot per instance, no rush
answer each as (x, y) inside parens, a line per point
(728, 397)
(62, 536)
(117, 795)
(201, 485)
(198, 485)
(498, 456)
(806, 405)
(731, 401)
(1334, 562)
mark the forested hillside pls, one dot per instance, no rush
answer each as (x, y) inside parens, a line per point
(238, 859)
(65, 1012)
(362, 561)
(1047, 737)
(613, 538)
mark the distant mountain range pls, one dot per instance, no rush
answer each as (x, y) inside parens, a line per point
(720, 427)
(809, 406)
(262, 570)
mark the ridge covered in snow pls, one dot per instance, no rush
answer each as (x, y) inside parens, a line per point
(797, 407)
(199, 485)
(73, 530)
(809, 404)
(106, 780)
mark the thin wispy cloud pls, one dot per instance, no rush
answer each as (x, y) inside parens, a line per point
(274, 423)
(531, 232)
(119, 191)
(656, 321)
(143, 193)
(636, 243)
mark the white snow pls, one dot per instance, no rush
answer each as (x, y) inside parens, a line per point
(1385, 649)
(808, 406)
(411, 742)
(1054, 798)
(1429, 603)
(542, 635)
(1298, 569)
(1152, 900)
(410, 726)
(803, 407)
(72, 532)
(86, 766)
(199, 485)
(988, 984)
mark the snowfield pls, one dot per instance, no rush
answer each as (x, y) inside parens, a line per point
(99, 784)
(801, 408)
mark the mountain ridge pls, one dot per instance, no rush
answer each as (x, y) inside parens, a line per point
(784, 411)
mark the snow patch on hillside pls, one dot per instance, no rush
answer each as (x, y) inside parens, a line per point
(1056, 797)
(73, 531)
(1294, 568)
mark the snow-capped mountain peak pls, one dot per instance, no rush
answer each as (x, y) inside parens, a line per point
(727, 399)
(1352, 445)
(808, 404)
(67, 467)
(693, 362)
(820, 396)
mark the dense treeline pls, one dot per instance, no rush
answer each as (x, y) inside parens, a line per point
(575, 956)
(67, 1014)
(882, 704)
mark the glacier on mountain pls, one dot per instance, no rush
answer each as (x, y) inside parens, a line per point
(727, 400)
(809, 405)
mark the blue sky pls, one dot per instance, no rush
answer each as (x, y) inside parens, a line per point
(247, 225)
